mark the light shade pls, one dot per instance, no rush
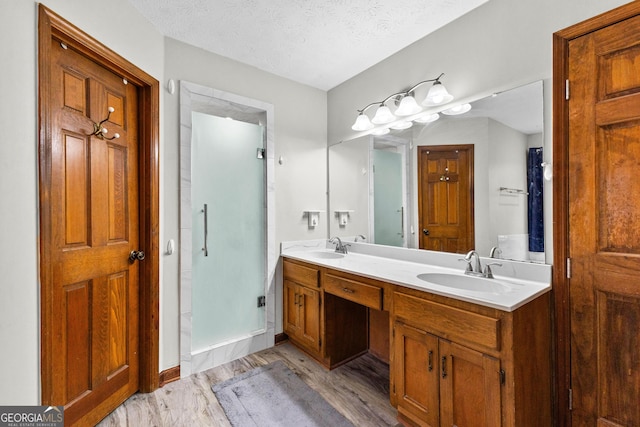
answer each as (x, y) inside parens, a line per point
(408, 106)
(383, 116)
(402, 125)
(427, 118)
(437, 95)
(458, 109)
(362, 123)
(381, 131)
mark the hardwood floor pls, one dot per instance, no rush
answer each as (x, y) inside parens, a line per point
(359, 390)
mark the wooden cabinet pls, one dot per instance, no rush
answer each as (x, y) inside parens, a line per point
(451, 362)
(302, 302)
(302, 315)
(440, 383)
(460, 364)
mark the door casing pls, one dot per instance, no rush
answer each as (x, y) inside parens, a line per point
(51, 25)
(561, 314)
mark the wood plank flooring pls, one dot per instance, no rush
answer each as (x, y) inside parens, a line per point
(359, 390)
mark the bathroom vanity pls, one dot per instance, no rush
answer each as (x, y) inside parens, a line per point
(458, 355)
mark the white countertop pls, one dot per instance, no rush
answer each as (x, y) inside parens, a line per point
(523, 282)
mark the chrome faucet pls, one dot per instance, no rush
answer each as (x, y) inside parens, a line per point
(340, 247)
(495, 251)
(478, 270)
(471, 270)
(360, 236)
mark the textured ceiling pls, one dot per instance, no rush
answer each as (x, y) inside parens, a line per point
(320, 43)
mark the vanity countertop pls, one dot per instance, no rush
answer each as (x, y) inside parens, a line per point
(522, 282)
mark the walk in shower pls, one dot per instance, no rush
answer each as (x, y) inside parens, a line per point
(226, 216)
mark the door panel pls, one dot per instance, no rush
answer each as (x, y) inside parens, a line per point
(94, 214)
(470, 387)
(445, 198)
(416, 377)
(604, 237)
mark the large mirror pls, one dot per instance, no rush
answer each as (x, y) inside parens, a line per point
(472, 180)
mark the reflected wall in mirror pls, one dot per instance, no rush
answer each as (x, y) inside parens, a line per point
(375, 178)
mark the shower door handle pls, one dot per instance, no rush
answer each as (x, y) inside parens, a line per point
(401, 210)
(205, 249)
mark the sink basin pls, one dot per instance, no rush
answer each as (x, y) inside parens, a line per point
(466, 283)
(326, 254)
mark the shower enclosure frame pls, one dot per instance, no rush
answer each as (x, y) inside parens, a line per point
(194, 97)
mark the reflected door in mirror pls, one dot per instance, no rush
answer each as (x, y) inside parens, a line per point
(445, 198)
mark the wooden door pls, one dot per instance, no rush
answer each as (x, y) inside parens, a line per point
(445, 198)
(604, 225)
(94, 221)
(469, 387)
(416, 375)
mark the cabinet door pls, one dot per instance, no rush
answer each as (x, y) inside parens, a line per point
(309, 312)
(416, 375)
(291, 312)
(469, 387)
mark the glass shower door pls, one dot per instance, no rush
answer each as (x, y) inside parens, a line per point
(388, 207)
(228, 237)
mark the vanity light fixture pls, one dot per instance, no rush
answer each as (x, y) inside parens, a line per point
(407, 105)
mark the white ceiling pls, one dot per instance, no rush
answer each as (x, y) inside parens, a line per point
(320, 43)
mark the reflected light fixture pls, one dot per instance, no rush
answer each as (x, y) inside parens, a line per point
(381, 131)
(402, 125)
(458, 109)
(427, 118)
(407, 105)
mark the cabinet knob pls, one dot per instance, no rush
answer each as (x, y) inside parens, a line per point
(425, 231)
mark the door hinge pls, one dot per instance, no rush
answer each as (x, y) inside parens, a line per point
(568, 268)
(503, 376)
(260, 153)
(262, 301)
(566, 89)
(571, 399)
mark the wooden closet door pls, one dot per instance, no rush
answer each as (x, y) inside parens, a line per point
(604, 225)
(94, 220)
(445, 198)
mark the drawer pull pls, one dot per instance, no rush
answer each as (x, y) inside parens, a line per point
(444, 366)
(430, 360)
(347, 290)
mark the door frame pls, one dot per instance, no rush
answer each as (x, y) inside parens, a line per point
(561, 313)
(51, 25)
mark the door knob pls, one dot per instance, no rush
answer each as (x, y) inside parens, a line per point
(136, 255)
(425, 231)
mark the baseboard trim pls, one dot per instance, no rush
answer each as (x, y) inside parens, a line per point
(169, 375)
(280, 338)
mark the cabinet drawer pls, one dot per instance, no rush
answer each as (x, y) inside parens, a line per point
(358, 292)
(448, 322)
(300, 274)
